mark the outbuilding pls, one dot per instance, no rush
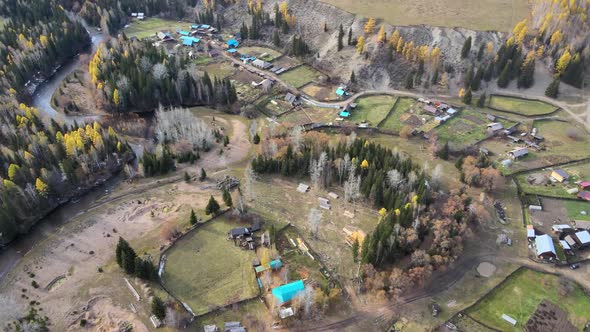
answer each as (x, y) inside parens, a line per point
(559, 175)
(545, 247)
(518, 152)
(584, 185)
(232, 43)
(585, 195)
(495, 126)
(583, 239)
(287, 292)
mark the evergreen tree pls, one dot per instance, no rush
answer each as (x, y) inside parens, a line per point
(504, 77)
(481, 102)
(552, 90)
(212, 206)
(203, 175)
(193, 218)
(187, 178)
(276, 39)
(355, 250)
(410, 81)
(466, 48)
(256, 139)
(227, 198)
(349, 36)
(352, 77)
(481, 51)
(443, 153)
(468, 96)
(158, 308)
(340, 38)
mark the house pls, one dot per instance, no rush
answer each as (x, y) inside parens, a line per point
(266, 84)
(239, 232)
(580, 224)
(287, 292)
(545, 248)
(232, 43)
(430, 109)
(140, 16)
(324, 203)
(561, 228)
(210, 328)
(584, 185)
(583, 238)
(518, 152)
(565, 245)
(232, 51)
(559, 175)
(292, 99)
(164, 36)
(451, 111)
(585, 195)
(183, 32)
(341, 92)
(302, 188)
(261, 64)
(530, 232)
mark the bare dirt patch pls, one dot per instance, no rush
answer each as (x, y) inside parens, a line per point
(548, 318)
(486, 269)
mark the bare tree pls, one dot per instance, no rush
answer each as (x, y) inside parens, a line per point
(159, 71)
(395, 178)
(253, 129)
(314, 218)
(296, 137)
(180, 124)
(436, 177)
(350, 139)
(249, 178)
(317, 171)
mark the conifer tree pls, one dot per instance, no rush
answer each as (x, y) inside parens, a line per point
(212, 206)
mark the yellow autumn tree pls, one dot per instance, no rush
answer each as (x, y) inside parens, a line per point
(370, 26)
(394, 38)
(540, 51)
(116, 97)
(365, 164)
(360, 44)
(12, 171)
(8, 184)
(41, 187)
(556, 38)
(43, 40)
(382, 212)
(400, 45)
(462, 93)
(490, 48)
(520, 31)
(563, 62)
(381, 36)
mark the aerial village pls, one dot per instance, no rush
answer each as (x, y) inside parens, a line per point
(291, 166)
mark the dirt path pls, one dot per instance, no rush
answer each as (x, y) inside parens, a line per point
(237, 149)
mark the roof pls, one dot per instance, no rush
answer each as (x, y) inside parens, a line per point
(430, 109)
(276, 264)
(561, 227)
(344, 114)
(570, 240)
(287, 292)
(194, 26)
(582, 224)
(239, 231)
(519, 152)
(290, 98)
(561, 173)
(183, 32)
(210, 328)
(544, 245)
(584, 237)
(261, 268)
(232, 42)
(584, 195)
(585, 184)
(187, 42)
(565, 245)
(286, 312)
(232, 50)
(530, 232)
(206, 26)
(451, 111)
(302, 187)
(495, 126)
(509, 319)
(341, 92)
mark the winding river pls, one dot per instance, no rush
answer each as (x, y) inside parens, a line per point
(43, 229)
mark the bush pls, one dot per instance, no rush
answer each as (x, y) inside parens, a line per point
(34, 284)
(100, 270)
(83, 322)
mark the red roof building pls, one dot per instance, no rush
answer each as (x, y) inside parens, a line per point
(584, 195)
(585, 184)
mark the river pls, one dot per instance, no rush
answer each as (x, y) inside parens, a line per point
(43, 229)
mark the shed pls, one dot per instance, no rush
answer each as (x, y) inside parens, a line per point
(302, 188)
(232, 43)
(565, 245)
(239, 232)
(583, 239)
(164, 36)
(559, 175)
(261, 64)
(573, 191)
(545, 247)
(430, 109)
(333, 195)
(585, 195)
(570, 241)
(183, 32)
(530, 231)
(276, 264)
(451, 111)
(232, 51)
(495, 126)
(291, 99)
(341, 92)
(518, 152)
(491, 117)
(187, 42)
(287, 292)
(286, 312)
(584, 184)
(561, 228)
(509, 319)
(344, 114)
(210, 328)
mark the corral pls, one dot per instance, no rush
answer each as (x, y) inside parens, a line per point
(521, 106)
(301, 75)
(372, 109)
(150, 26)
(399, 116)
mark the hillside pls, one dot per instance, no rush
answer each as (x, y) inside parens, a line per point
(445, 13)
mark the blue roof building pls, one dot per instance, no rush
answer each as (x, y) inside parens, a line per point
(183, 32)
(344, 114)
(341, 92)
(187, 42)
(276, 264)
(205, 26)
(287, 292)
(232, 50)
(194, 26)
(233, 43)
(545, 247)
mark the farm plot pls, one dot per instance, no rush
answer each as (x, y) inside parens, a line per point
(372, 109)
(520, 294)
(320, 92)
(464, 129)
(577, 210)
(301, 75)
(400, 117)
(207, 271)
(258, 51)
(219, 69)
(521, 106)
(150, 26)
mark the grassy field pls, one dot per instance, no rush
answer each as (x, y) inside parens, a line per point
(521, 106)
(449, 13)
(393, 121)
(575, 207)
(257, 51)
(150, 26)
(465, 129)
(372, 109)
(206, 271)
(219, 69)
(301, 76)
(519, 296)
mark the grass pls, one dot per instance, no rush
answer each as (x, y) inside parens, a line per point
(449, 13)
(393, 121)
(300, 76)
(219, 69)
(521, 106)
(465, 129)
(519, 296)
(372, 109)
(206, 271)
(150, 26)
(575, 207)
(257, 51)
